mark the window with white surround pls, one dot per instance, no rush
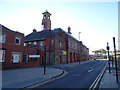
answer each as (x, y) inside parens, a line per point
(17, 40)
(2, 55)
(60, 43)
(2, 38)
(35, 43)
(41, 43)
(52, 43)
(25, 44)
(16, 57)
(29, 43)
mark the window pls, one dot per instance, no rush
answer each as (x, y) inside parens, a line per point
(25, 44)
(41, 43)
(60, 43)
(16, 58)
(29, 43)
(2, 38)
(52, 42)
(2, 55)
(17, 40)
(35, 43)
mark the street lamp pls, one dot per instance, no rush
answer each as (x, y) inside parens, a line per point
(44, 57)
(79, 35)
(115, 59)
(79, 48)
(108, 48)
(45, 60)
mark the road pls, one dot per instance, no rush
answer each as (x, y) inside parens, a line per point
(79, 76)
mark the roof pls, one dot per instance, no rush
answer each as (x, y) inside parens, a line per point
(46, 12)
(58, 30)
(3, 28)
(42, 35)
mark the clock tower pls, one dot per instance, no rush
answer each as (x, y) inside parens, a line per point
(46, 22)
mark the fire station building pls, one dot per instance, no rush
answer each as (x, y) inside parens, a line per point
(55, 46)
(61, 46)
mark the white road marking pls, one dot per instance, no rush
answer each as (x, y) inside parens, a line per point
(90, 70)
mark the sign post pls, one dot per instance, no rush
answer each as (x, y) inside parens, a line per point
(108, 48)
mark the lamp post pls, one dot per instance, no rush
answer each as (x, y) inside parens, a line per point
(79, 35)
(115, 59)
(79, 48)
(108, 48)
(45, 60)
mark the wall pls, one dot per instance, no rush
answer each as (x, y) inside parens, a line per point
(19, 65)
(9, 44)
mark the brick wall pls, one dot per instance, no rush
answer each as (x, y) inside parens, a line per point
(19, 65)
(10, 45)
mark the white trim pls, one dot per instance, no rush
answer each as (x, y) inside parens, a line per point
(17, 38)
(2, 55)
(34, 56)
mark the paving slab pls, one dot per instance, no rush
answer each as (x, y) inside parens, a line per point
(20, 78)
(109, 80)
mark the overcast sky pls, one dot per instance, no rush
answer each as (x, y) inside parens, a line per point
(97, 21)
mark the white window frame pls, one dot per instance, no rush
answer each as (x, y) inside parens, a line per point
(25, 44)
(17, 38)
(41, 43)
(2, 53)
(35, 43)
(29, 43)
(16, 61)
(60, 43)
(52, 43)
(3, 38)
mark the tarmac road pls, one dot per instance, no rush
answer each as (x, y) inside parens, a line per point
(79, 76)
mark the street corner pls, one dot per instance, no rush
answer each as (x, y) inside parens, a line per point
(49, 78)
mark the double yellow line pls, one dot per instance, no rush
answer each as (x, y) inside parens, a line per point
(95, 83)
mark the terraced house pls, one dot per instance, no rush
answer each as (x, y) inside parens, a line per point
(11, 45)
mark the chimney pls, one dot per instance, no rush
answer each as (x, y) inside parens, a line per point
(34, 30)
(69, 30)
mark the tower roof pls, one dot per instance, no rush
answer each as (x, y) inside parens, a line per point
(46, 12)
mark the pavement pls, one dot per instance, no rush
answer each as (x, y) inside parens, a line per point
(108, 80)
(21, 78)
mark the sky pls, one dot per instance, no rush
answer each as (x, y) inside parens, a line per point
(96, 20)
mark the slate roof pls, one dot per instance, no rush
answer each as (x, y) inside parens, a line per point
(3, 28)
(46, 12)
(42, 35)
(58, 30)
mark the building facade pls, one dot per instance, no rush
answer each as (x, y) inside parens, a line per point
(61, 46)
(50, 46)
(11, 45)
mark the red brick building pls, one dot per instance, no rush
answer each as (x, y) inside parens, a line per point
(61, 46)
(55, 46)
(11, 45)
(12, 49)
